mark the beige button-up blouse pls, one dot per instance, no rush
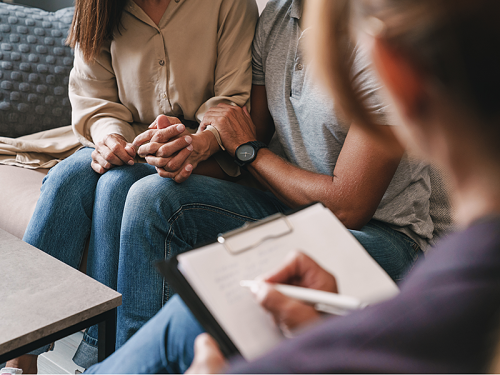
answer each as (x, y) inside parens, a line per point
(197, 57)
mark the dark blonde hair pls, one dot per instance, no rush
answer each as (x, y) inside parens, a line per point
(455, 42)
(94, 22)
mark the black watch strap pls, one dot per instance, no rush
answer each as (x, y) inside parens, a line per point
(247, 152)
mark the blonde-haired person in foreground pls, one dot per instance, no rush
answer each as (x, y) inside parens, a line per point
(439, 62)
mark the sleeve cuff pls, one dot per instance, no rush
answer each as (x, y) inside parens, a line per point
(101, 128)
(227, 164)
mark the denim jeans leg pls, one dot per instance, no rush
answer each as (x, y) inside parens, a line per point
(61, 222)
(163, 218)
(394, 251)
(165, 344)
(104, 245)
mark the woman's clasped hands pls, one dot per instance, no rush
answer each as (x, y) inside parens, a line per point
(171, 149)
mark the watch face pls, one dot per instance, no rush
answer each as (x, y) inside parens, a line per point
(245, 153)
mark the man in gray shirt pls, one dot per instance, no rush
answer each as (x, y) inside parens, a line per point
(378, 193)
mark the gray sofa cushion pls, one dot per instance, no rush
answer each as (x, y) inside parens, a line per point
(34, 69)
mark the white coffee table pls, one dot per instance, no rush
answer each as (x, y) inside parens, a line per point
(43, 300)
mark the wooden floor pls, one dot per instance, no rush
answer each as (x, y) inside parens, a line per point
(59, 361)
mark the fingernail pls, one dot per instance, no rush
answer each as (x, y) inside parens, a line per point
(190, 147)
(180, 127)
(189, 168)
(188, 139)
(130, 162)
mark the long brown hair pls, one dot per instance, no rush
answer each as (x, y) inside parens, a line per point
(95, 22)
(456, 42)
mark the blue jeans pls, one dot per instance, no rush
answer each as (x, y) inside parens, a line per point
(77, 205)
(165, 343)
(162, 345)
(162, 218)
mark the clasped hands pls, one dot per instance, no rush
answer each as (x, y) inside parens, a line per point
(171, 149)
(288, 313)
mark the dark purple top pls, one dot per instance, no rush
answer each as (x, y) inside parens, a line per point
(444, 320)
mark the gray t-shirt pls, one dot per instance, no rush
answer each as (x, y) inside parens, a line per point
(310, 135)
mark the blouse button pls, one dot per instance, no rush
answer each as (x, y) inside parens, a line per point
(300, 66)
(162, 62)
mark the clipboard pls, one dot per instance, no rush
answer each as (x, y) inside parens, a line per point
(206, 277)
(170, 271)
(277, 226)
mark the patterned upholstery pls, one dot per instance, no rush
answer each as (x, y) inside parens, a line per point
(34, 69)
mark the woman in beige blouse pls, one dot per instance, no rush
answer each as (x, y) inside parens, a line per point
(134, 61)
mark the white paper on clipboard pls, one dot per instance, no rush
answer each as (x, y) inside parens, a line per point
(215, 271)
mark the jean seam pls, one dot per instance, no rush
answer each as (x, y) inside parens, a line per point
(207, 207)
(177, 214)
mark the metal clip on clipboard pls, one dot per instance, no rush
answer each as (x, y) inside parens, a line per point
(248, 237)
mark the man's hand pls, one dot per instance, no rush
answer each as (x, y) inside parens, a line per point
(207, 356)
(113, 150)
(233, 123)
(299, 270)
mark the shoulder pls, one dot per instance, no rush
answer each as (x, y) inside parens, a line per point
(274, 12)
(246, 7)
(274, 17)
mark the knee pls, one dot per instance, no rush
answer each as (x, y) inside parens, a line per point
(152, 195)
(113, 184)
(71, 176)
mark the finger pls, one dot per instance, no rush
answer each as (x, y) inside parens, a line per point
(97, 167)
(204, 343)
(184, 174)
(170, 148)
(144, 137)
(176, 162)
(166, 134)
(118, 148)
(149, 149)
(98, 159)
(269, 298)
(131, 150)
(208, 358)
(154, 124)
(301, 270)
(286, 272)
(162, 122)
(118, 155)
(287, 312)
(174, 120)
(163, 173)
(156, 161)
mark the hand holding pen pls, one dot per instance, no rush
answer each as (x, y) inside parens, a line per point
(291, 313)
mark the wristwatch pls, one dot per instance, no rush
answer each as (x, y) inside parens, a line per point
(247, 152)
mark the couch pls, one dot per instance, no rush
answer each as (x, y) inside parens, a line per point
(34, 70)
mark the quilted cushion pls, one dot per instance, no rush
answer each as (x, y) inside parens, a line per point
(34, 69)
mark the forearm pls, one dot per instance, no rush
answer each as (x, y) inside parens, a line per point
(296, 187)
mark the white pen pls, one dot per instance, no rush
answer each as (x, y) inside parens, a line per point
(331, 303)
